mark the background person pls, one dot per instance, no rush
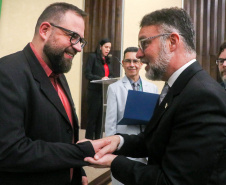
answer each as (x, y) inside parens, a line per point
(221, 63)
(117, 95)
(185, 141)
(97, 67)
(38, 122)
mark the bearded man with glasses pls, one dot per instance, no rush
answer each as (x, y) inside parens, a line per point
(221, 63)
(38, 123)
(185, 140)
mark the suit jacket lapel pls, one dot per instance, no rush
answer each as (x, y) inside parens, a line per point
(176, 89)
(126, 83)
(144, 85)
(45, 84)
(99, 61)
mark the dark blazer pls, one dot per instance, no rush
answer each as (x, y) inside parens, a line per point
(94, 70)
(35, 132)
(185, 140)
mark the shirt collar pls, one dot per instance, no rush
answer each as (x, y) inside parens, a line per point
(175, 75)
(223, 84)
(131, 81)
(46, 68)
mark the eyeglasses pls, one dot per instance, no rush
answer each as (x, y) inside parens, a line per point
(75, 38)
(220, 61)
(129, 61)
(142, 44)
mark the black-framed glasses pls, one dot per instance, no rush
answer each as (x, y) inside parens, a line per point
(129, 61)
(220, 61)
(75, 37)
(142, 44)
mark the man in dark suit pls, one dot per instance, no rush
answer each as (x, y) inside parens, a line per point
(221, 63)
(38, 123)
(185, 141)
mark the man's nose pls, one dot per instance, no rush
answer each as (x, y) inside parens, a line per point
(139, 54)
(224, 64)
(77, 47)
(131, 63)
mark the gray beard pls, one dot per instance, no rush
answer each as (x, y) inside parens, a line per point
(159, 66)
(224, 80)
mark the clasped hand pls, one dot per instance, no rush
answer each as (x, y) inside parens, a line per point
(103, 148)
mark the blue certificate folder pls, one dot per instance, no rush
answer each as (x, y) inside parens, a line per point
(139, 108)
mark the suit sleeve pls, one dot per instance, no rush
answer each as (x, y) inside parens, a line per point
(194, 148)
(111, 112)
(133, 172)
(18, 151)
(89, 74)
(155, 89)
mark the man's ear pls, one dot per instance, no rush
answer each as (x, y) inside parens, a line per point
(174, 41)
(44, 30)
(122, 63)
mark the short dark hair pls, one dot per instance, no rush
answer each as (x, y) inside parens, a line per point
(55, 12)
(130, 49)
(222, 48)
(173, 19)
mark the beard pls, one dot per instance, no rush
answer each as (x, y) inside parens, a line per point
(159, 66)
(223, 77)
(56, 57)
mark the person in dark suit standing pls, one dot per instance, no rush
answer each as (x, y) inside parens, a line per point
(98, 67)
(38, 122)
(222, 64)
(185, 141)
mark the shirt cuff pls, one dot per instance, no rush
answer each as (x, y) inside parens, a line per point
(121, 143)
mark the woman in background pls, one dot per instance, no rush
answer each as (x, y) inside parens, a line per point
(97, 67)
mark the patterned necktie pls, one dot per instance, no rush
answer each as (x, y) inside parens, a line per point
(136, 86)
(164, 92)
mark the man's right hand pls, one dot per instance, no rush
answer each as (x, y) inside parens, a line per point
(105, 149)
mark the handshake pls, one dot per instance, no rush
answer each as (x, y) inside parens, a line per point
(103, 148)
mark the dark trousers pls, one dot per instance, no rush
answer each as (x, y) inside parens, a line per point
(94, 114)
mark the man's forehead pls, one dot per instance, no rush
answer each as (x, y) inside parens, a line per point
(74, 22)
(130, 55)
(147, 31)
(223, 54)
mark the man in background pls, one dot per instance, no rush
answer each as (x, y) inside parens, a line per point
(117, 96)
(38, 122)
(221, 63)
(185, 141)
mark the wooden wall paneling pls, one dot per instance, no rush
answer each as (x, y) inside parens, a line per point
(95, 23)
(209, 22)
(187, 6)
(213, 28)
(104, 20)
(118, 27)
(213, 37)
(221, 30)
(199, 30)
(221, 22)
(86, 34)
(206, 34)
(108, 17)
